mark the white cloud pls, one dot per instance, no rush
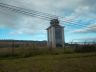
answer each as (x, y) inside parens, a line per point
(30, 26)
(89, 29)
(87, 39)
(91, 4)
(24, 24)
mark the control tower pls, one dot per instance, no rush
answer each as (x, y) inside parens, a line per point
(55, 34)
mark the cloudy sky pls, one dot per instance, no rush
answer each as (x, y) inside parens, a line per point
(79, 14)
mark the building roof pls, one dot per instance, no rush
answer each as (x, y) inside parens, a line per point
(55, 26)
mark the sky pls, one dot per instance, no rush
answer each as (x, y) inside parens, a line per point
(80, 16)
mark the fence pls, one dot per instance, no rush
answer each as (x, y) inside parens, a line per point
(25, 49)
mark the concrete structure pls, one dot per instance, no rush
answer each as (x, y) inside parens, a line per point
(55, 34)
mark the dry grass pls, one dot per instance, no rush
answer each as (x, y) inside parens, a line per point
(26, 52)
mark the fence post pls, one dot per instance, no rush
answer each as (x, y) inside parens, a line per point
(13, 46)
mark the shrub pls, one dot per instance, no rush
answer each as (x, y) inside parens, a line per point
(86, 48)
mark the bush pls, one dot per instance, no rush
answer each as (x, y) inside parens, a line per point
(86, 48)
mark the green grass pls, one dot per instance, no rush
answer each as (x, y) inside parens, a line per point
(77, 62)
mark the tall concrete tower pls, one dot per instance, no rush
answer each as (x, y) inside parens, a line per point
(55, 34)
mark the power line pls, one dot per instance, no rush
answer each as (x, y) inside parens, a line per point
(31, 12)
(38, 14)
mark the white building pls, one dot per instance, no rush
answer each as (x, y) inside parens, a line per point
(55, 34)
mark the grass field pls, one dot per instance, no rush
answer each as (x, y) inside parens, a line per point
(77, 62)
(27, 52)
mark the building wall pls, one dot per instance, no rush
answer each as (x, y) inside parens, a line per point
(51, 37)
(53, 34)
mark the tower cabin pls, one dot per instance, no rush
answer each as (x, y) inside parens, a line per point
(55, 34)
